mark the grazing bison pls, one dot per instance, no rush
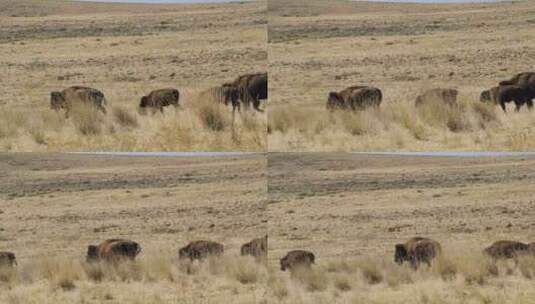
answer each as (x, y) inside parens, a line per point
(355, 98)
(159, 99)
(446, 96)
(508, 93)
(251, 88)
(506, 249)
(77, 95)
(7, 259)
(113, 250)
(297, 258)
(416, 251)
(256, 248)
(199, 250)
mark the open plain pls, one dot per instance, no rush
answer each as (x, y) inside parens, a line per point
(53, 206)
(317, 46)
(126, 51)
(350, 210)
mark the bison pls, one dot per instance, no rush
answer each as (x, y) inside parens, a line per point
(446, 96)
(250, 88)
(67, 98)
(297, 258)
(506, 249)
(355, 98)
(417, 250)
(199, 250)
(256, 248)
(525, 80)
(508, 93)
(159, 99)
(7, 259)
(113, 250)
(531, 247)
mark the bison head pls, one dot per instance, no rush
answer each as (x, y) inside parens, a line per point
(183, 253)
(334, 101)
(57, 100)
(485, 96)
(127, 249)
(401, 254)
(284, 264)
(92, 253)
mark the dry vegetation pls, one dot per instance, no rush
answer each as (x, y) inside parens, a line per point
(126, 51)
(53, 206)
(350, 210)
(320, 46)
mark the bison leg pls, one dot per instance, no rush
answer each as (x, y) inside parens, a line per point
(529, 102)
(502, 105)
(103, 109)
(518, 105)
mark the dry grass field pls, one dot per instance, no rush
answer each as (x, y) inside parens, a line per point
(126, 51)
(350, 210)
(53, 206)
(318, 46)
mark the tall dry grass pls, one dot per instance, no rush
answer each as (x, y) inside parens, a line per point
(461, 278)
(399, 126)
(151, 279)
(201, 125)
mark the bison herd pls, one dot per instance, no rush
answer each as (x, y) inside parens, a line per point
(415, 251)
(246, 89)
(520, 89)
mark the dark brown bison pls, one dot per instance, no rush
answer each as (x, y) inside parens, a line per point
(417, 250)
(355, 98)
(251, 88)
(7, 259)
(446, 96)
(159, 99)
(526, 80)
(506, 249)
(501, 95)
(297, 258)
(113, 250)
(256, 248)
(199, 250)
(77, 95)
(227, 94)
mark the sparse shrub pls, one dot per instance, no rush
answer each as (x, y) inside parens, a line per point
(342, 282)
(124, 117)
(312, 279)
(87, 119)
(213, 116)
(244, 270)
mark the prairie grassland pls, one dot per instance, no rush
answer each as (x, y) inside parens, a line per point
(53, 206)
(126, 51)
(404, 49)
(350, 210)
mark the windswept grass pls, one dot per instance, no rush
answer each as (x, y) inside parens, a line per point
(201, 125)
(464, 278)
(401, 126)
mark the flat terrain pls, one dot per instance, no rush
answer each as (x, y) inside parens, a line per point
(53, 206)
(350, 210)
(126, 51)
(320, 46)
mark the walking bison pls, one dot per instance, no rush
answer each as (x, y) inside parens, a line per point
(501, 95)
(113, 250)
(507, 249)
(256, 248)
(199, 250)
(296, 259)
(7, 259)
(77, 95)
(355, 98)
(251, 88)
(416, 251)
(525, 80)
(438, 95)
(159, 99)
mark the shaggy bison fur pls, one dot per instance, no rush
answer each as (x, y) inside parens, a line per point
(113, 250)
(416, 251)
(503, 94)
(199, 250)
(256, 248)
(355, 98)
(297, 258)
(506, 249)
(67, 98)
(159, 99)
